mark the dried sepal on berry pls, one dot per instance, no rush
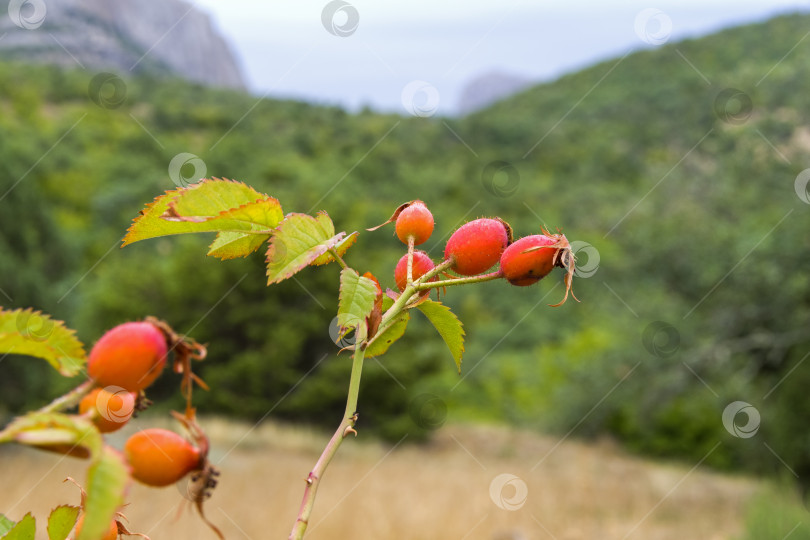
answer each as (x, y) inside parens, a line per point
(204, 479)
(413, 220)
(394, 216)
(185, 350)
(521, 268)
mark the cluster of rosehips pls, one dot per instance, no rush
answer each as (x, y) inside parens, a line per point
(477, 246)
(124, 362)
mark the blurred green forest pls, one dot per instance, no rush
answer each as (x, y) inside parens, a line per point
(682, 181)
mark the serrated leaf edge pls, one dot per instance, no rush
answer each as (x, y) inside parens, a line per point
(342, 298)
(323, 246)
(174, 194)
(171, 213)
(57, 323)
(460, 325)
(50, 516)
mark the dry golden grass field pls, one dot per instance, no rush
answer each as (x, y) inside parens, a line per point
(439, 491)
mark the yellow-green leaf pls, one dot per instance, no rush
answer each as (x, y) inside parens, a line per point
(61, 521)
(341, 248)
(23, 529)
(57, 432)
(298, 241)
(5, 524)
(230, 245)
(357, 295)
(256, 217)
(448, 326)
(32, 333)
(107, 480)
(194, 208)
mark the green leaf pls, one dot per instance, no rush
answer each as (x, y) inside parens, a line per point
(198, 206)
(230, 245)
(299, 240)
(5, 524)
(207, 206)
(262, 215)
(448, 325)
(341, 247)
(23, 529)
(382, 342)
(56, 432)
(29, 332)
(357, 295)
(225, 199)
(107, 479)
(61, 521)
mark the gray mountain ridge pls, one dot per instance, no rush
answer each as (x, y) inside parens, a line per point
(491, 87)
(169, 37)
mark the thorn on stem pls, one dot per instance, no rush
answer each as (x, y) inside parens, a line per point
(349, 429)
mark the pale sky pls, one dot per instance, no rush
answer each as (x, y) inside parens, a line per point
(392, 48)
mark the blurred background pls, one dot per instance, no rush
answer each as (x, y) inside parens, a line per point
(669, 142)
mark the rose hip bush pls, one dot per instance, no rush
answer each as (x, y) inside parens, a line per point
(128, 358)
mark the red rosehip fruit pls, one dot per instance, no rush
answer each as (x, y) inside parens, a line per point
(414, 220)
(160, 457)
(422, 264)
(530, 259)
(476, 246)
(131, 355)
(109, 411)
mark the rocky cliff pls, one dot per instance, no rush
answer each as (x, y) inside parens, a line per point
(486, 89)
(125, 36)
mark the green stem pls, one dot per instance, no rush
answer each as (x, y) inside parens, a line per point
(71, 399)
(460, 281)
(436, 271)
(350, 415)
(346, 426)
(66, 401)
(409, 274)
(402, 300)
(338, 258)
(397, 306)
(423, 284)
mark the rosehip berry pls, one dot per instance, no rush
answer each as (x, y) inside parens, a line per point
(131, 356)
(415, 220)
(111, 534)
(422, 264)
(476, 246)
(109, 410)
(532, 258)
(160, 457)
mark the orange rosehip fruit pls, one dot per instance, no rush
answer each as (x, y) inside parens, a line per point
(476, 246)
(415, 220)
(160, 457)
(111, 534)
(422, 264)
(109, 410)
(131, 355)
